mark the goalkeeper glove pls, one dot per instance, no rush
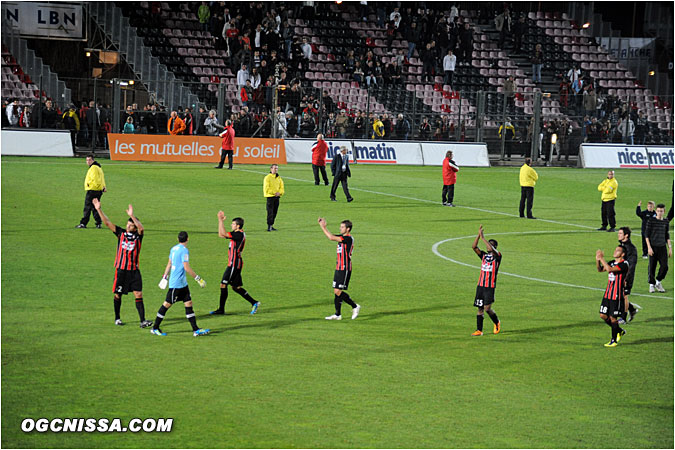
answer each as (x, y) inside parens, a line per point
(201, 282)
(163, 283)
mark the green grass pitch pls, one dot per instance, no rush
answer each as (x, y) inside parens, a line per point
(405, 374)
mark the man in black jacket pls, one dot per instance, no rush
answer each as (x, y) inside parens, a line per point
(645, 216)
(658, 247)
(631, 256)
(340, 170)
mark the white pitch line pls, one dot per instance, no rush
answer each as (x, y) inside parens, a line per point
(434, 202)
(434, 249)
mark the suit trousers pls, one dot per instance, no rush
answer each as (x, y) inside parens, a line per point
(526, 195)
(223, 154)
(608, 214)
(342, 178)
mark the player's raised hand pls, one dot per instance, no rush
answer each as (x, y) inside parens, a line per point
(96, 203)
(130, 211)
(322, 221)
(480, 230)
(221, 215)
(640, 203)
(599, 254)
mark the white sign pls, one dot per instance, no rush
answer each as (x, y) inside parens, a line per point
(36, 143)
(46, 20)
(300, 150)
(616, 156)
(388, 152)
(469, 154)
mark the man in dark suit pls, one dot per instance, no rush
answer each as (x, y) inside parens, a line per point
(340, 170)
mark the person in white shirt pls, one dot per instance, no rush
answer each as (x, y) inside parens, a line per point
(242, 76)
(257, 40)
(449, 62)
(255, 78)
(573, 74)
(306, 49)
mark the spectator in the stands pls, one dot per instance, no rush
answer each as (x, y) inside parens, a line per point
(242, 76)
(537, 61)
(329, 128)
(454, 12)
(509, 137)
(395, 74)
(93, 120)
(287, 36)
(257, 39)
(71, 122)
(349, 61)
(519, 30)
(425, 130)
(307, 126)
(369, 72)
(327, 102)
(564, 92)
(358, 74)
(574, 74)
(342, 123)
(465, 45)
(641, 128)
(453, 30)
(175, 124)
(152, 120)
(26, 118)
(412, 36)
(503, 25)
(509, 89)
(204, 14)
(13, 113)
(210, 125)
(402, 128)
(441, 36)
(378, 128)
(399, 58)
(627, 129)
(360, 123)
(49, 115)
(590, 101)
(292, 125)
(449, 62)
(129, 113)
(388, 126)
(129, 127)
(306, 50)
(428, 63)
(189, 121)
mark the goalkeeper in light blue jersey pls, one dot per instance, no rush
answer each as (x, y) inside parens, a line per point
(179, 265)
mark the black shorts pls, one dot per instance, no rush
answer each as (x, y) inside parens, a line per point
(232, 277)
(341, 279)
(484, 296)
(612, 308)
(174, 295)
(127, 281)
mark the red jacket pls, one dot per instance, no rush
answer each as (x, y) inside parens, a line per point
(450, 170)
(319, 150)
(228, 138)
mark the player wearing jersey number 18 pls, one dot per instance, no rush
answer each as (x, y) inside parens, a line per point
(612, 305)
(485, 291)
(127, 275)
(343, 268)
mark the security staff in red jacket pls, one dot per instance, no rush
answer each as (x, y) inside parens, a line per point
(228, 145)
(450, 170)
(319, 150)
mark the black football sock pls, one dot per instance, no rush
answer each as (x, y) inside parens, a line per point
(479, 322)
(347, 299)
(338, 305)
(140, 307)
(118, 304)
(607, 321)
(160, 316)
(241, 291)
(493, 317)
(631, 308)
(190, 314)
(615, 330)
(223, 298)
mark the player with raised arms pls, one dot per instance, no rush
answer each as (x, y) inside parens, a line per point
(612, 305)
(485, 291)
(343, 269)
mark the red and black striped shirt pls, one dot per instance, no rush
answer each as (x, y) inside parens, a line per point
(488, 268)
(344, 252)
(128, 249)
(238, 240)
(616, 280)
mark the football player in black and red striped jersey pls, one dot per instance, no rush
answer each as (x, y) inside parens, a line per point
(485, 291)
(343, 268)
(612, 305)
(232, 274)
(127, 275)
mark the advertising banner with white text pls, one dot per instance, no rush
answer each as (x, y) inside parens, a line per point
(36, 143)
(201, 149)
(617, 156)
(388, 152)
(300, 150)
(472, 154)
